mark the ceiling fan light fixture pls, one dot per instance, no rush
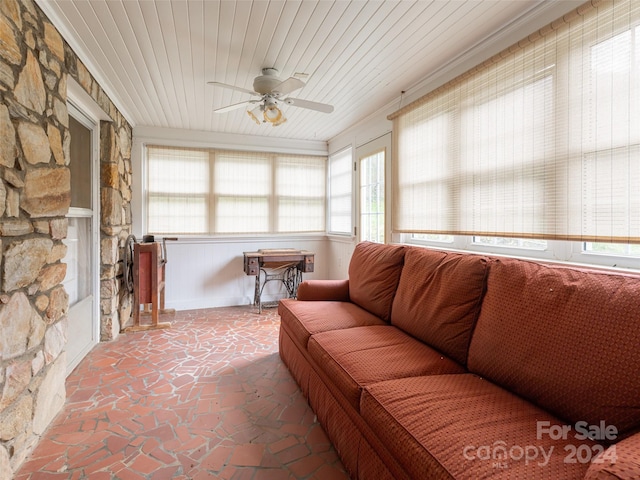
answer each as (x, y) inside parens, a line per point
(253, 114)
(274, 115)
(272, 92)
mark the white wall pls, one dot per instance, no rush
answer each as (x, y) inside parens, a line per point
(203, 273)
(339, 251)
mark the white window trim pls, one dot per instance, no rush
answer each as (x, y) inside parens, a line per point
(557, 251)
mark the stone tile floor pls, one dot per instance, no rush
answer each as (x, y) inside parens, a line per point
(207, 398)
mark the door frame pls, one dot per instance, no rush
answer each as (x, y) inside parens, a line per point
(88, 120)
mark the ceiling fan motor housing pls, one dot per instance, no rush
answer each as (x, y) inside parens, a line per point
(267, 81)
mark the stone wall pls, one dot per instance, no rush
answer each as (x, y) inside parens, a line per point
(35, 64)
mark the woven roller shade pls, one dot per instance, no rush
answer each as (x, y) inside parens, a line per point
(541, 141)
(214, 191)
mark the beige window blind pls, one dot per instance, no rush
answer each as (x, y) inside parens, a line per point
(300, 194)
(242, 189)
(340, 192)
(541, 141)
(177, 190)
(208, 191)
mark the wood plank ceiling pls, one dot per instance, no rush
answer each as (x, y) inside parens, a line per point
(154, 58)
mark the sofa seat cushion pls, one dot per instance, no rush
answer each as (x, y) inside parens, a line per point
(374, 272)
(359, 356)
(469, 427)
(303, 319)
(439, 297)
(564, 338)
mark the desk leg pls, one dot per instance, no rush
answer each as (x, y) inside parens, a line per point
(256, 293)
(289, 276)
(298, 281)
(291, 280)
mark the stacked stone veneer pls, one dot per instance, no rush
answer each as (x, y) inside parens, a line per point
(35, 65)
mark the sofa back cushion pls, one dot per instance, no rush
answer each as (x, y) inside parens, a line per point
(439, 297)
(565, 338)
(374, 272)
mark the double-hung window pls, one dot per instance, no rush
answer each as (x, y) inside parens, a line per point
(209, 192)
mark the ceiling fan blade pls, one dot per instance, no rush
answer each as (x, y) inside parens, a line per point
(233, 87)
(287, 86)
(228, 108)
(320, 107)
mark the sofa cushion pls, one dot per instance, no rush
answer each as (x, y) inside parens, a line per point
(302, 319)
(359, 356)
(467, 427)
(335, 290)
(564, 338)
(439, 297)
(374, 271)
(619, 461)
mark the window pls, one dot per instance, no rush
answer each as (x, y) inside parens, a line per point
(521, 243)
(372, 199)
(177, 191)
(300, 192)
(613, 249)
(340, 192)
(80, 239)
(203, 192)
(242, 191)
(540, 142)
(431, 238)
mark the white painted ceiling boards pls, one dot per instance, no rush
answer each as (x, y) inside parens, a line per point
(154, 58)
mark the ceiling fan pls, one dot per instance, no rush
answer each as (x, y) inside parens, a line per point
(271, 91)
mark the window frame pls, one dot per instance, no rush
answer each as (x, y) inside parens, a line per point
(557, 251)
(212, 196)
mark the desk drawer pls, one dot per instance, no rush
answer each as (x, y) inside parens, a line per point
(307, 264)
(251, 265)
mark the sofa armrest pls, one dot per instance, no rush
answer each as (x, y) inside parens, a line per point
(335, 290)
(620, 461)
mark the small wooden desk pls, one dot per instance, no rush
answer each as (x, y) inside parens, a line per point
(285, 265)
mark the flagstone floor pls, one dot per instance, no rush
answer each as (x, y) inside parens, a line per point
(207, 398)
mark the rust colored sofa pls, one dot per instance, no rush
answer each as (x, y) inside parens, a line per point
(427, 364)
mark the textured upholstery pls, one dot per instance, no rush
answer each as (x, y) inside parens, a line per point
(439, 298)
(360, 356)
(564, 338)
(620, 461)
(334, 290)
(529, 343)
(350, 435)
(374, 271)
(302, 319)
(295, 361)
(451, 422)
